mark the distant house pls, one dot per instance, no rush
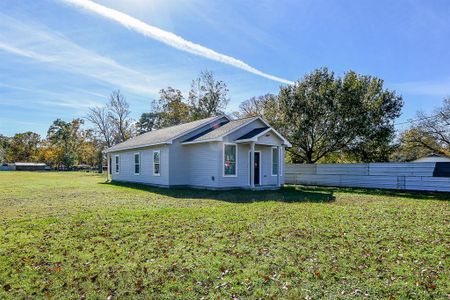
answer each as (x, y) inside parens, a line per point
(433, 158)
(215, 153)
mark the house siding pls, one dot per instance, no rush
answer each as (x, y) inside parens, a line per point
(126, 170)
(203, 164)
(182, 158)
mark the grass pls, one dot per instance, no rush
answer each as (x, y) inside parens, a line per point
(71, 235)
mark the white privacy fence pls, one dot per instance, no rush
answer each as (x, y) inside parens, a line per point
(401, 176)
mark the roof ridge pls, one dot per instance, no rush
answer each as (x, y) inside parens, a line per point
(171, 126)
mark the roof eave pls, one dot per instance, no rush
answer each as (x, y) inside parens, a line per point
(202, 141)
(109, 150)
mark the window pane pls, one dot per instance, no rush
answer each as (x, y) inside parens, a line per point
(230, 169)
(156, 168)
(275, 161)
(156, 157)
(230, 160)
(136, 169)
(136, 158)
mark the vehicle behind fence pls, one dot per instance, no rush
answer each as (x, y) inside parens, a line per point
(431, 176)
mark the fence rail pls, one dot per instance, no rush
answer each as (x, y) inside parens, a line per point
(401, 176)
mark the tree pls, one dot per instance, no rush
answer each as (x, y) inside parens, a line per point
(4, 144)
(147, 122)
(49, 153)
(119, 117)
(375, 112)
(112, 122)
(208, 97)
(323, 115)
(65, 136)
(170, 108)
(22, 147)
(430, 134)
(99, 116)
(413, 145)
(265, 106)
(89, 151)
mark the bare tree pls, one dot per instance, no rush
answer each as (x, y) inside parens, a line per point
(119, 116)
(99, 117)
(208, 97)
(431, 133)
(113, 122)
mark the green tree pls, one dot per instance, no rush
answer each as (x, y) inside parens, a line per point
(4, 144)
(170, 108)
(208, 97)
(22, 147)
(147, 122)
(323, 115)
(66, 136)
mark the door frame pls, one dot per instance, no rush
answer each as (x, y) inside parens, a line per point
(260, 167)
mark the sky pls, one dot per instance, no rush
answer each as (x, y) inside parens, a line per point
(60, 57)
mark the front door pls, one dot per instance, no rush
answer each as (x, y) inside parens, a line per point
(256, 166)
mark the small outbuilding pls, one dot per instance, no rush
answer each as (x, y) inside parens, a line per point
(26, 166)
(214, 153)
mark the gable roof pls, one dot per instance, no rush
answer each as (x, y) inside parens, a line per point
(232, 126)
(252, 133)
(223, 130)
(162, 136)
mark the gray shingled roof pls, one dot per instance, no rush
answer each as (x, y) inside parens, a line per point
(223, 130)
(160, 136)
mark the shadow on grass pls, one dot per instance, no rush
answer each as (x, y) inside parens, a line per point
(285, 194)
(419, 195)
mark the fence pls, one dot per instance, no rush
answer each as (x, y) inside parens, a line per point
(402, 176)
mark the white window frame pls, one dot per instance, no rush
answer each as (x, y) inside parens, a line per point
(271, 161)
(281, 161)
(134, 163)
(223, 160)
(117, 166)
(153, 162)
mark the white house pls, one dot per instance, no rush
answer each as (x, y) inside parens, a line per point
(215, 153)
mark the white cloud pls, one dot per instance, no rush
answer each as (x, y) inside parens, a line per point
(169, 38)
(58, 51)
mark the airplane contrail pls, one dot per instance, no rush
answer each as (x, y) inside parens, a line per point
(169, 38)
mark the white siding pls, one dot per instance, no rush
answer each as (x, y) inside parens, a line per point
(180, 160)
(203, 163)
(126, 171)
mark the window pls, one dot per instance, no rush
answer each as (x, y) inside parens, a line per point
(230, 160)
(157, 163)
(117, 164)
(275, 161)
(137, 163)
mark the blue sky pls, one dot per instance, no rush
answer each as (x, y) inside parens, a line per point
(59, 58)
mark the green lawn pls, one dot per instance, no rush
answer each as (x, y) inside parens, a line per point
(71, 235)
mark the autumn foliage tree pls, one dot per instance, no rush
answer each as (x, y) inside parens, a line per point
(428, 134)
